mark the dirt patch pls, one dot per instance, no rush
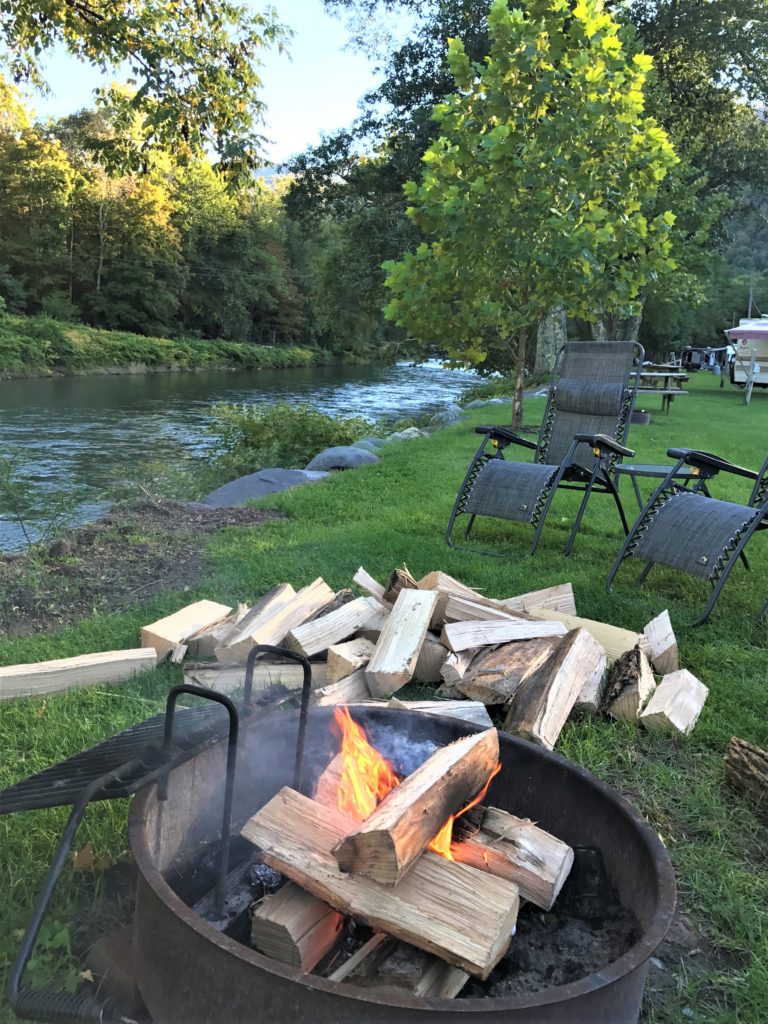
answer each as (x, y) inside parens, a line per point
(131, 554)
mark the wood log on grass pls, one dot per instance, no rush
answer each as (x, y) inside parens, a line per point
(233, 646)
(540, 708)
(393, 662)
(613, 639)
(295, 927)
(662, 644)
(63, 674)
(630, 685)
(460, 914)
(460, 636)
(346, 658)
(746, 771)
(327, 629)
(166, 633)
(204, 642)
(675, 704)
(495, 677)
(391, 839)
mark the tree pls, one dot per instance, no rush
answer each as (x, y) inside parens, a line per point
(194, 66)
(534, 191)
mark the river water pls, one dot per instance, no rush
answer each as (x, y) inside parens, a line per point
(80, 434)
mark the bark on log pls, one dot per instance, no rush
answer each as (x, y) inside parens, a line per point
(746, 771)
(495, 677)
(630, 685)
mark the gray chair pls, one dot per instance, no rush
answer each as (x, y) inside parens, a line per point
(689, 530)
(580, 442)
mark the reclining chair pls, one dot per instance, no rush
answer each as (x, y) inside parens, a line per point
(687, 529)
(580, 442)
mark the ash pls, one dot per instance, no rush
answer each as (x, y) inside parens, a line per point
(405, 754)
(552, 948)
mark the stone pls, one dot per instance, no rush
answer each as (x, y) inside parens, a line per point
(409, 434)
(343, 456)
(370, 442)
(479, 402)
(256, 485)
(450, 414)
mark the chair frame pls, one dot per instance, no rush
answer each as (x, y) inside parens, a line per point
(569, 476)
(707, 466)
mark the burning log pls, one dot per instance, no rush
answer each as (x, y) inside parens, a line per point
(495, 677)
(166, 633)
(541, 707)
(516, 849)
(295, 927)
(394, 835)
(746, 771)
(319, 634)
(662, 644)
(394, 661)
(460, 636)
(460, 914)
(630, 685)
(676, 703)
(344, 659)
(614, 640)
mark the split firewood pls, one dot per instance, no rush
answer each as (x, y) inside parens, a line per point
(393, 662)
(662, 644)
(469, 924)
(461, 609)
(401, 966)
(465, 710)
(204, 642)
(460, 636)
(630, 684)
(391, 839)
(370, 585)
(64, 674)
(400, 579)
(592, 694)
(327, 786)
(340, 598)
(513, 848)
(295, 927)
(373, 625)
(324, 630)
(164, 634)
(615, 640)
(273, 624)
(229, 678)
(746, 771)
(495, 677)
(540, 708)
(676, 703)
(431, 659)
(558, 599)
(178, 654)
(455, 667)
(366, 958)
(344, 659)
(346, 691)
(228, 650)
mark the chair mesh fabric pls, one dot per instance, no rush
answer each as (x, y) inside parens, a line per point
(693, 533)
(510, 490)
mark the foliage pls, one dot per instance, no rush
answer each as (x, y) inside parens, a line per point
(194, 69)
(252, 437)
(39, 513)
(537, 191)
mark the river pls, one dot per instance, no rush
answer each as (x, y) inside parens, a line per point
(82, 434)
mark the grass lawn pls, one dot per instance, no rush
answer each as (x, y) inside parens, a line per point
(395, 512)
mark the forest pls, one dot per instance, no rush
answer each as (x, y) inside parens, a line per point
(152, 212)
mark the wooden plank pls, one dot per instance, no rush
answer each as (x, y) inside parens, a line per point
(558, 598)
(267, 605)
(325, 630)
(273, 628)
(295, 927)
(662, 644)
(494, 677)
(516, 849)
(344, 659)
(370, 586)
(394, 660)
(460, 636)
(164, 634)
(452, 910)
(615, 640)
(675, 704)
(229, 678)
(466, 710)
(746, 771)
(63, 674)
(345, 691)
(391, 839)
(431, 659)
(540, 708)
(630, 684)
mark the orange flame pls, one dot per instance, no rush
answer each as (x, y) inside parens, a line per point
(442, 842)
(366, 777)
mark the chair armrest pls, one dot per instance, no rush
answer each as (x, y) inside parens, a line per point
(603, 441)
(706, 460)
(505, 435)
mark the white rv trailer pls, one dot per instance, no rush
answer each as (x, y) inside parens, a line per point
(750, 340)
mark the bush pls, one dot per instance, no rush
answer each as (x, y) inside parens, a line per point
(252, 437)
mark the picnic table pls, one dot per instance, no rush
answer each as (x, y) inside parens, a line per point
(667, 382)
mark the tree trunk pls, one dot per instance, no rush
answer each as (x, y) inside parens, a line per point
(551, 335)
(517, 401)
(614, 327)
(102, 245)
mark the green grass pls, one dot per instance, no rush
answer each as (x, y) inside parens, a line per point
(396, 512)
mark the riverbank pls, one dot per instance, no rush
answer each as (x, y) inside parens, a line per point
(43, 347)
(712, 970)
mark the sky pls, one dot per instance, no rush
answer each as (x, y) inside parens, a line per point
(313, 89)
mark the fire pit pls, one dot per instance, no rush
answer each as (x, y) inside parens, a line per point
(189, 970)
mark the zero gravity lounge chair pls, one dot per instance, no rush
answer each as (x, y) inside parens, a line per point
(580, 442)
(691, 531)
